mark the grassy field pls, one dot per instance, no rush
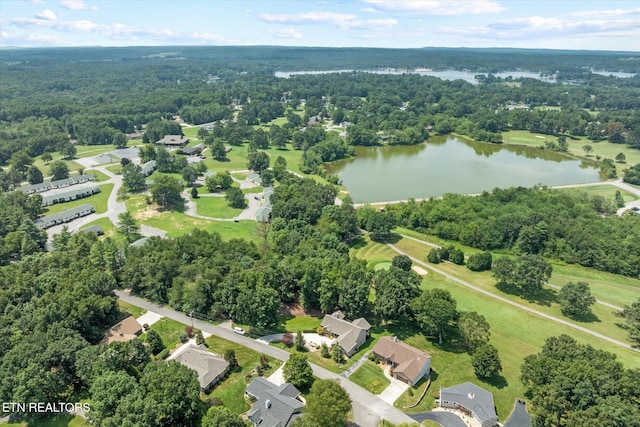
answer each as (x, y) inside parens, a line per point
(133, 310)
(231, 389)
(169, 330)
(302, 324)
(607, 191)
(370, 377)
(99, 201)
(216, 207)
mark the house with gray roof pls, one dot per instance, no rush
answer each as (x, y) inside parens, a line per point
(190, 151)
(211, 368)
(275, 405)
(60, 183)
(68, 196)
(148, 167)
(173, 141)
(350, 335)
(408, 364)
(471, 399)
(64, 216)
(36, 188)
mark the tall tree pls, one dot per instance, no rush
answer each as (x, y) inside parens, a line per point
(258, 161)
(297, 371)
(132, 178)
(395, 288)
(631, 315)
(486, 361)
(34, 176)
(434, 311)
(328, 394)
(236, 198)
(128, 226)
(58, 170)
(474, 329)
(576, 299)
(219, 416)
(526, 274)
(165, 191)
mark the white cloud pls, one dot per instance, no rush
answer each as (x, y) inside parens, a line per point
(436, 7)
(76, 5)
(603, 13)
(368, 24)
(285, 33)
(308, 18)
(47, 15)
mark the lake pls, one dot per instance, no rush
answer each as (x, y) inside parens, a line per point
(453, 165)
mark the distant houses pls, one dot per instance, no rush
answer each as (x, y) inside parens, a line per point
(64, 216)
(210, 367)
(61, 183)
(275, 406)
(350, 335)
(473, 400)
(123, 331)
(173, 141)
(408, 364)
(263, 213)
(69, 196)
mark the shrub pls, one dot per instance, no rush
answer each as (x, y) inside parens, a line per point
(163, 354)
(434, 256)
(320, 330)
(324, 350)
(287, 339)
(480, 261)
(456, 256)
(189, 331)
(184, 337)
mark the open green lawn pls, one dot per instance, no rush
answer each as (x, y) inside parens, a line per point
(372, 252)
(302, 324)
(191, 133)
(131, 309)
(216, 207)
(231, 389)
(370, 377)
(99, 201)
(62, 420)
(116, 169)
(605, 190)
(384, 265)
(524, 137)
(169, 330)
(105, 223)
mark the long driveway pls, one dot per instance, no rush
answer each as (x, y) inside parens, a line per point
(368, 409)
(515, 304)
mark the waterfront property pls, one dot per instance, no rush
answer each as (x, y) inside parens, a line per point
(471, 400)
(123, 331)
(211, 368)
(408, 364)
(64, 216)
(350, 335)
(69, 196)
(275, 406)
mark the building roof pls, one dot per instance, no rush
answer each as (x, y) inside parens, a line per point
(472, 397)
(125, 330)
(362, 323)
(93, 229)
(139, 242)
(347, 332)
(194, 149)
(263, 212)
(208, 366)
(173, 140)
(275, 406)
(409, 360)
(60, 216)
(148, 167)
(71, 193)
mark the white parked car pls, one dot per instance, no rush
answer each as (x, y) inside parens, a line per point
(239, 331)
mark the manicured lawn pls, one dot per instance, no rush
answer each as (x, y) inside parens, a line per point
(370, 377)
(370, 251)
(384, 265)
(216, 207)
(116, 169)
(231, 389)
(302, 324)
(96, 174)
(99, 201)
(169, 330)
(406, 400)
(133, 310)
(526, 138)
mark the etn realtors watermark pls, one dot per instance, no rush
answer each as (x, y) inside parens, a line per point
(44, 407)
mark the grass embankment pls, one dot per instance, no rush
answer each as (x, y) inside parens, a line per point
(370, 377)
(99, 201)
(231, 389)
(302, 324)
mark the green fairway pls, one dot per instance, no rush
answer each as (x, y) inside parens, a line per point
(231, 389)
(216, 207)
(99, 201)
(370, 377)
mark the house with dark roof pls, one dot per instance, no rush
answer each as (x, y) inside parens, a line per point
(190, 151)
(472, 400)
(173, 141)
(211, 368)
(123, 331)
(64, 216)
(350, 335)
(275, 405)
(408, 364)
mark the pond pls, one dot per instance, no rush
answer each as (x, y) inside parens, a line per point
(453, 165)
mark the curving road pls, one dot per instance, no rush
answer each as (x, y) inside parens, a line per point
(368, 409)
(515, 304)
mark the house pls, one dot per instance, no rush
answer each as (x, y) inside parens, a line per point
(255, 178)
(64, 216)
(68, 196)
(190, 151)
(60, 183)
(275, 406)
(263, 213)
(350, 335)
(148, 167)
(471, 399)
(36, 188)
(93, 229)
(173, 141)
(408, 363)
(123, 331)
(210, 367)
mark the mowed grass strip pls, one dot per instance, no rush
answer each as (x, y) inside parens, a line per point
(302, 324)
(370, 377)
(231, 389)
(603, 323)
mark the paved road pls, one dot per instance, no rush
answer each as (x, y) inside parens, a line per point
(368, 408)
(515, 304)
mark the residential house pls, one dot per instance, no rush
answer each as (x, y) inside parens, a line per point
(350, 335)
(275, 406)
(210, 367)
(472, 400)
(173, 141)
(148, 167)
(93, 229)
(67, 196)
(194, 150)
(408, 364)
(123, 331)
(64, 216)
(60, 183)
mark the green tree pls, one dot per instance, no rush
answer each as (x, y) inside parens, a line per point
(526, 274)
(34, 176)
(219, 181)
(631, 315)
(328, 394)
(324, 350)
(486, 361)
(621, 158)
(434, 256)
(20, 161)
(128, 226)
(474, 329)
(165, 191)
(576, 299)
(280, 168)
(562, 143)
(58, 170)
(267, 178)
(230, 357)
(68, 150)
(107, 393)
(299, 341)
(456, 256)
(189, 174)
(619, 200)
(236, 198)
(587, 149)
(479, 261)
(337, 354)
(119, 139)
(132, 178)
(403, 262)
(218, 149)
(395, 289)
(219, 416)
(46, 157)
(258, 161)
(155, 342)
(194, 193)
(297, 371)
(434, 310)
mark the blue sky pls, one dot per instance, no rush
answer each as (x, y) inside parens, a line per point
(555, 24)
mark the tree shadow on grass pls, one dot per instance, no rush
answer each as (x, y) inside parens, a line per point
(543, 296)
(357, 243)
(392, 238)
(584, 317)
(497, 380)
